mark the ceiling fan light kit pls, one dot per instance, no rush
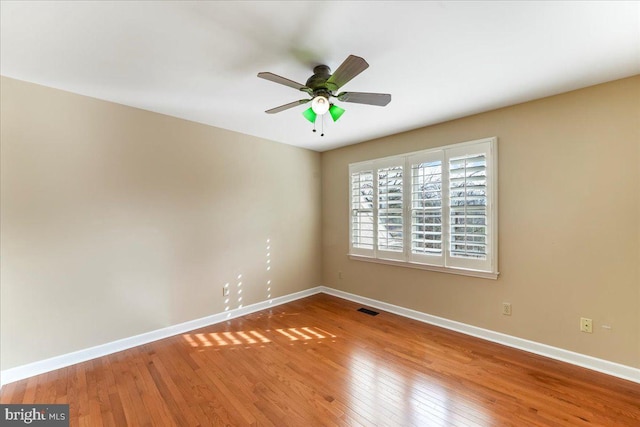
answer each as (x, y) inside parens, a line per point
(320, 105)
(310, 115)
(335, 112)
(323, 85)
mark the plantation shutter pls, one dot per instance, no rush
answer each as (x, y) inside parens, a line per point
(426, 208)
(390, 226)
(362, 215)
(469, 216)
(434, 209)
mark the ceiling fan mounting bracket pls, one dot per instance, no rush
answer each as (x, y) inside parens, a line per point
(322, 69)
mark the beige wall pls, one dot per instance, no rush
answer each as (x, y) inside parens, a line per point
(569, 228)
(117, 221)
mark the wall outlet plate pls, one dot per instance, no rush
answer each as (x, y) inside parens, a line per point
(506, 308)
(586, 325)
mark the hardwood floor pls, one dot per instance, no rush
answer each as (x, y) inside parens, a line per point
(318, 361)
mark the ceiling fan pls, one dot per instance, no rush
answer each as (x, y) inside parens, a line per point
(322, 86)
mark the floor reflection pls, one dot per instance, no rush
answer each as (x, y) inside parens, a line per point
(405, 397)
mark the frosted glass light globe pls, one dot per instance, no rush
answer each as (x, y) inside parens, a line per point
(320, 105)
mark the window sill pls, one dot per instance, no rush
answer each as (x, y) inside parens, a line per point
(449, 270)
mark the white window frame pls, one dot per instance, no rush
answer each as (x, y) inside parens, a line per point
(485, 268)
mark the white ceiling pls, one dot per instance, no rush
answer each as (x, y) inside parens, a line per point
(199, 60)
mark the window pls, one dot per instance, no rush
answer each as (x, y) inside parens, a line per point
(434, 209)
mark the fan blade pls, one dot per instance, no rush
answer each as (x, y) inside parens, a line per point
(283, 81)
(351, 67)
(380, 99)
(287, 106)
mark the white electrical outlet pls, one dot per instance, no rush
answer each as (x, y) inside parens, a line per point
(506, 308)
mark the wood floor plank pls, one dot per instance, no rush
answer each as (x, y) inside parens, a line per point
(318, 361)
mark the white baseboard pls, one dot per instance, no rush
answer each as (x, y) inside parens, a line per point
(589, 362)
(42, 366)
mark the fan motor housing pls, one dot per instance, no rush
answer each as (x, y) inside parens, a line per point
(318, 82)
